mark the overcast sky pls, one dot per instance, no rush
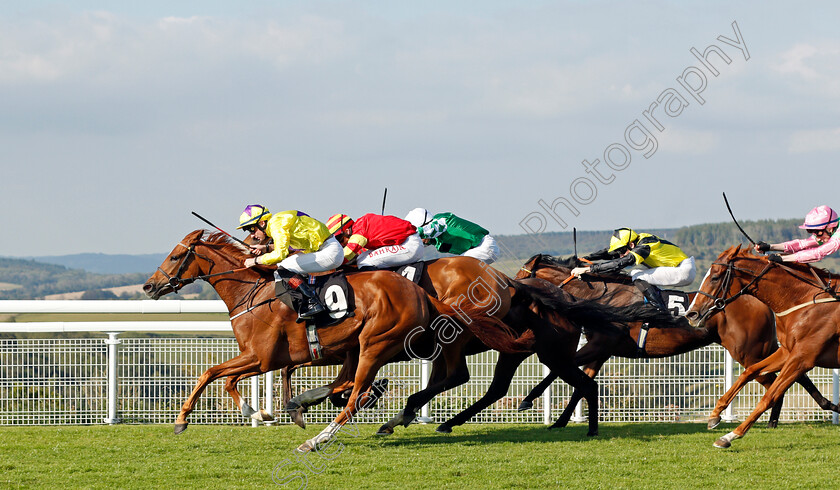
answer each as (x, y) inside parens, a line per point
(118, 120)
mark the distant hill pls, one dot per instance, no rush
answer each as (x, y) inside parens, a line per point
(106, 264)
(28, 279)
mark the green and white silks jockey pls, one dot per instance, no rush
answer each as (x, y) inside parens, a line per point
(454, 235)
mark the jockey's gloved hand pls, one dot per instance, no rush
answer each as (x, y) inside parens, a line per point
(774, 258)
(763, 246)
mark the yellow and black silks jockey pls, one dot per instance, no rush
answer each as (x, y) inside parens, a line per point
(300, 245)
(666, 264)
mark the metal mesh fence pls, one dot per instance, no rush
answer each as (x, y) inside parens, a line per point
(52, 381)
(65, 382)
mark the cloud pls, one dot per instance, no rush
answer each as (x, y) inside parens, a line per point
(813, 68)
(688, 142)
(816, 140)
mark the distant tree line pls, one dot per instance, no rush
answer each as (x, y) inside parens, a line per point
(37, 280)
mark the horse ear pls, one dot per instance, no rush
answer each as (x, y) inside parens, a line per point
(730, 252)
(194, 236)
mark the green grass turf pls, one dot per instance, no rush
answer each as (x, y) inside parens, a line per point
(473, 456)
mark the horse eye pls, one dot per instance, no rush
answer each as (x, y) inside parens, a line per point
(174, 258)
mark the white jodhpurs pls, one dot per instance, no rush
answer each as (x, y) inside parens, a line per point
(487, 251)
(681, 275)
(411, 250)
(328, 257)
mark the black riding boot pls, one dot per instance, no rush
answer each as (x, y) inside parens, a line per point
(311, 305)
(651, 294)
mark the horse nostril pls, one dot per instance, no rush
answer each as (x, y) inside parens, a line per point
(147, 287)
(691, 315)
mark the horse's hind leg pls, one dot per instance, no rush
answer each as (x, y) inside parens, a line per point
(818, 397)
(369, 365)
(588, 389)
(770, 364)
(454, 364)
(591, 370)
(243, 364)
(231, 387)
(536, 392)
(503, 374)
(300, 404)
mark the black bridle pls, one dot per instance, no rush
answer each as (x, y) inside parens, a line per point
(720, 302)
(177, 282)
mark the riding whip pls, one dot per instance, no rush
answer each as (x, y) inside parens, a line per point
(384, 196)
(735, 220)
(216, 227)
(574, 239)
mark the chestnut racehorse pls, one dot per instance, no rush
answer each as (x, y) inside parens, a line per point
(557, 338)
(388, 309)
(809, 332)
(746, 331)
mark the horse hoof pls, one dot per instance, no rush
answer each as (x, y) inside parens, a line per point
(444, 429)
(722, 443)
(305, 447)
(385, 431)
(772, 424)
(297, 418)
(713, 422)
(525, 405)
(180, 427)
(262, 416)
(592, 433)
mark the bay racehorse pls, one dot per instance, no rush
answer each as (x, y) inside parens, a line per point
(801, 296)
(388, 308)
(747, 330)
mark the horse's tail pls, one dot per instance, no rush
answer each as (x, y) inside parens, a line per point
(595, 314)
(493, 332)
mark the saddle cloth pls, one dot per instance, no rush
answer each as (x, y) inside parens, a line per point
(334, 292)
(676, 301)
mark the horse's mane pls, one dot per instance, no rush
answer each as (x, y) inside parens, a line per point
(225, 244)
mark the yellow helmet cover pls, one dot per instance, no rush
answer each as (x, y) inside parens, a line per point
(621, 237)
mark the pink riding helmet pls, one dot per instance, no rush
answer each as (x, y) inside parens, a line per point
(819, 218)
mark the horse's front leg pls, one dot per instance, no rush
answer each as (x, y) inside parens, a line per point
(243, 364)
(770, 364)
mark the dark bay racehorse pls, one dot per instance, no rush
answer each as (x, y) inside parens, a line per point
(747, 331)
(388, 309)
(806, 299)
